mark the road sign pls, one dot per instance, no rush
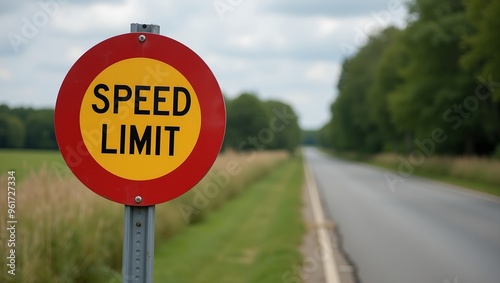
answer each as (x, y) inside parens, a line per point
(140, 119)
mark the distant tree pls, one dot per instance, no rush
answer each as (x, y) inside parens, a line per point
(483, 44)
(351, 127)
(387, 79)
(22, 112)
(482, 57)
(310, 137)
(12, 131)
(435, 86)
(403, 86)
(4, 126)
(40, 130)
(246, 116)
(324, 135)
(283, 122)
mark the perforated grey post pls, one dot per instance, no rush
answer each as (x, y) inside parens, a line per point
(139, 224)
(138, 244)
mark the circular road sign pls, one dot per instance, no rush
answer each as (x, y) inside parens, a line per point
(140, 115)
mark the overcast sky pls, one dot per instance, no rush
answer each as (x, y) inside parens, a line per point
(285, 50)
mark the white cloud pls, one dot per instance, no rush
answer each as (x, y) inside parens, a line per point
(5, 74)
(73, 53)
(321, 72)
(283, 51)
(97, 16)
(327, 26)
(335, 8)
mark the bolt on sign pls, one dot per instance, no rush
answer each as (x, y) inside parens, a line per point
(140, 115)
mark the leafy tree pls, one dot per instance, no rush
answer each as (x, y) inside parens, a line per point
(482, 56)
(483, 44)
(12, 131)
(253, 124)
(286, 130)
(246, 116)
(310, 137)
(40, 130)
(404, 85)
(435, 86)
(324, 135)
(387, 78)
(351, 127)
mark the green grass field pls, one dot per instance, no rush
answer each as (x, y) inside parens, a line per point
(250, 231)
(253, 238)
(25, 162)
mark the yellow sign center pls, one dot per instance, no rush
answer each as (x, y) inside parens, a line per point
(140, 118)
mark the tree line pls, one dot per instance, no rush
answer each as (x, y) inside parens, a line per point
(431, 85)
(27, 128)
(251, 124)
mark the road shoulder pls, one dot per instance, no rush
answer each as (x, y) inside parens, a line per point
(313, 270)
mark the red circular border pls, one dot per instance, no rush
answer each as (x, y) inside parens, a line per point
(67, 119)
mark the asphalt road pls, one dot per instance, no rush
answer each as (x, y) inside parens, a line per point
(418, 231)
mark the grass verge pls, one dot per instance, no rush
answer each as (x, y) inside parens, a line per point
(476, 173)
(66, 233)
(480, 174)
(254, 238)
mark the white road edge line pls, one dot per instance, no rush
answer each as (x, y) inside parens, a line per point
(329, 264)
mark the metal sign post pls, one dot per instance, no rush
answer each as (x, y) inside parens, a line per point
(138, 244)
(139, 224)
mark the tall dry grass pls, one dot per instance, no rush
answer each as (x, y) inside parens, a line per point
(62, 231)
(477, 168)
(482, 170)
(66, 233)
